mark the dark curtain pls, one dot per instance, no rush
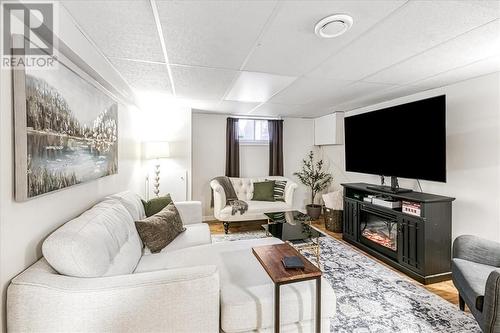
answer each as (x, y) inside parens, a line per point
(232, 148)
(275, 147)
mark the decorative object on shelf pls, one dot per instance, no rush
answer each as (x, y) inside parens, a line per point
(313, 176)
(66, 129)
(156, 150)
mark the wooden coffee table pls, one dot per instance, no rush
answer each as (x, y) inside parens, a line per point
(270, 258)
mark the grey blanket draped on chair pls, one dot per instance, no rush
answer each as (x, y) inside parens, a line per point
(231, 197)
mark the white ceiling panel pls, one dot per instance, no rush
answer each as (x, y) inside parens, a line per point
(237, 107)
(257, 87)
(221, 106)
(478, 44)
(201, 105)
(144, 76)
(201, 83)
(377, 97)
(290, 47)
(415, 27)
(348, 93)
(124, 29)
(274, 109)
(307, 90)
(358, 89)
(479, 68)
(212, 33)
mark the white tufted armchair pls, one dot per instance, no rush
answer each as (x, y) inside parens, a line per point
(256, 209)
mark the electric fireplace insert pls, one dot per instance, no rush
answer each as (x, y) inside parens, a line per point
(379, 230)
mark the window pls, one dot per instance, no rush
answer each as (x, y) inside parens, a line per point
(252, 131)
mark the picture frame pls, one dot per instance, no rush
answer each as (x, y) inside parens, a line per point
(65, 129)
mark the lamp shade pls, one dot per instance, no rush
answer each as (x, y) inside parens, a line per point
(155, 149)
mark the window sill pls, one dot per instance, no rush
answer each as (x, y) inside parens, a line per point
(254, 143)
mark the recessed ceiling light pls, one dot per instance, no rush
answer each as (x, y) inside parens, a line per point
(333, 26)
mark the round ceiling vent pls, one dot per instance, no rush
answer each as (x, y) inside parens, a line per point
(333, 25)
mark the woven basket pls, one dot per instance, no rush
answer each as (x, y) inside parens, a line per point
(333, 220)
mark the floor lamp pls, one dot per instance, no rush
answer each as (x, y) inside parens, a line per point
(154, 150)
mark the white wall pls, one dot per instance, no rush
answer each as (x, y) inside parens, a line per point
(209, 154)
(24, 226)
(298, 140)
(165, 120)
(473, 154)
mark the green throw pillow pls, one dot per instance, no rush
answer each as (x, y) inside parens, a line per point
(155, 205)
(263, 191)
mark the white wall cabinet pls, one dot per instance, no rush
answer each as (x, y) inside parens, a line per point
(329, 129)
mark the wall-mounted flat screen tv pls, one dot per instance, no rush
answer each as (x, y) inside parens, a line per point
(407, 140)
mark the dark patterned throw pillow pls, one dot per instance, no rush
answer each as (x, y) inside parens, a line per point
(279, 190)
(159, 230)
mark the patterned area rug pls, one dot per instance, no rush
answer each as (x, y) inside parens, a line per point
(373, 298)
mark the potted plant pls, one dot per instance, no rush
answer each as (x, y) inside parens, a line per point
(313, 176)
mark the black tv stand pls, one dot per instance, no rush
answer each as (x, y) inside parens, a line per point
(417, 244)
(388, 189)
(393, 189)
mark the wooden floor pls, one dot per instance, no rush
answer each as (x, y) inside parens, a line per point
(444, 289)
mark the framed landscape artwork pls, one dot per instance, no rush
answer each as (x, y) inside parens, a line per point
(66, 130)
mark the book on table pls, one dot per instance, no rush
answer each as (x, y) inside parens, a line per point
(292, 262)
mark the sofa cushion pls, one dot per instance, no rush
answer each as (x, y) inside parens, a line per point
(244, 186)
(132, 202)
(195, 234)
(102, 241)
(263, 191)
(470, 278)
(247, 292)
(256, 210)
(161, 229)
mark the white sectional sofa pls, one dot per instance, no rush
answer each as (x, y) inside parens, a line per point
(256, 209)
(101, 280)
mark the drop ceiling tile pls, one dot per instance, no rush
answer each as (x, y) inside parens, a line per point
(378, 97)
(275, 110)
(144, 76)
(237, 107)
(212, 33)
(290, 47)
(123, 29)
(360, 89)
(201, 105)
(229, 107)
(307, 90)
(257, 87)
(475, 45)
(414, 28)
(201, 83)
(478, 68)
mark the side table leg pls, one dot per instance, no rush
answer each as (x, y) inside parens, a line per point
(318, 254)
(276, 308)
(318, 305)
